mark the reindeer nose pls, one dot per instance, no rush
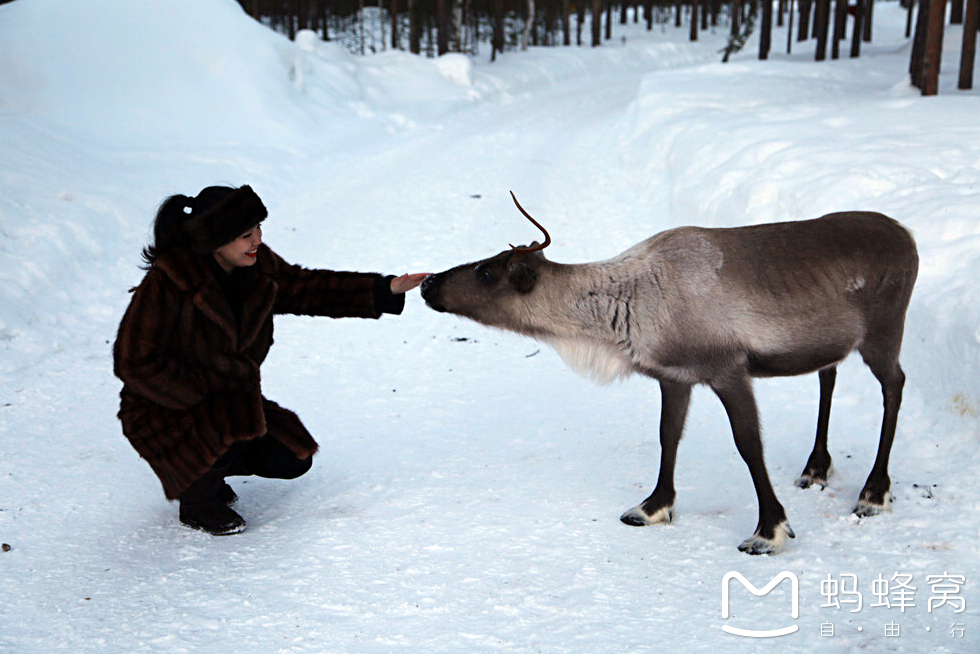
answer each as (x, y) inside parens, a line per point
(429, 290)
(426, 284)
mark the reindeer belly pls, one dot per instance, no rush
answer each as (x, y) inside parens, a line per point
(789, 363)
(801, 346)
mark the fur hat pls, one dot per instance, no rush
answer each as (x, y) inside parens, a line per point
(219, 215)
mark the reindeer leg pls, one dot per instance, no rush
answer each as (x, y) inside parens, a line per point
(659, 506)
(817, 468)
(876, 496)
(773, 529)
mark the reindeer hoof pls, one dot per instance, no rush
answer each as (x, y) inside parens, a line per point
(813, 478)
(637, 517)
(806, 481)
(867, 508)
(756, 544)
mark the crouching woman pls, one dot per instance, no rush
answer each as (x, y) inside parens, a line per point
(191, 343)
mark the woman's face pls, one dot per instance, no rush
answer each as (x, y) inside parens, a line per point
(240, 252)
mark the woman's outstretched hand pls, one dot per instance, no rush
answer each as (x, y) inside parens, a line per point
(407, 282)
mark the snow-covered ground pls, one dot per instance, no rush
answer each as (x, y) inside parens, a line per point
(468, 490)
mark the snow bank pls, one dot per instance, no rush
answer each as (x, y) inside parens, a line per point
(468, 488)
(167, 71)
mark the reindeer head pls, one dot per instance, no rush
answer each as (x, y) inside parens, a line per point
(490, 290)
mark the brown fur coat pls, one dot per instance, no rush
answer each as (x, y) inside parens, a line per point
(190, 368)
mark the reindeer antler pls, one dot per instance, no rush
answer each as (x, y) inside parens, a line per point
(532, 248)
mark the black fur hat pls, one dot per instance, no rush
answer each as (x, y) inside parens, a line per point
(220, 214)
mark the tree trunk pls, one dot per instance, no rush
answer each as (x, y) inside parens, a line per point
(821, 27)
(414, 28)
(804, 28)
(932, 54)
(918, 44)
(765, 36)
(497, 40)
(360, 23)
(302, 15)
(324, 16)
(457, 32)
(442, 26)
(858, 28)
(955, 12)
(528, 22)
(840, 25)
(694, 20)
(968, 55)
(394, 24)
(869, 12)
(596, 23)
(566, 22)
(789, 30)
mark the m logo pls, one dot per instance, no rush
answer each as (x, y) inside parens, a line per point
(795, 589)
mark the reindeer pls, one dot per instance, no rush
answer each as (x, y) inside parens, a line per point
(717, 307)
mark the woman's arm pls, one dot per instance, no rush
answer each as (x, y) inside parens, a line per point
(338, 294)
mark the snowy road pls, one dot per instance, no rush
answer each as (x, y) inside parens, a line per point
(467, 493)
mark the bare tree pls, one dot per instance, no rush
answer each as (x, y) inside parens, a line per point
(932, 53)
(442, 26)
(414, 27)
(394, 24)
(789, 29)
(765, 36)
(565, 22)
(858, 22)
(497, 41)
(821, 27)
(596, 23)
(968, 55)
(528, 22)
(869, 13)
(804, 28)
(694, 22)
(457, 29)
(840, 27)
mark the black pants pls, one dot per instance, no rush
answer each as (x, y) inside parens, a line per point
(263, 456)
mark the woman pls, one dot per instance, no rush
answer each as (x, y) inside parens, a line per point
(191, 342)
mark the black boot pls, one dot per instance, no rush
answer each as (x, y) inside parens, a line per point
(204, 506)
(212, 516)
(226, 495)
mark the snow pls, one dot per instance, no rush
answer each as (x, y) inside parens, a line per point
(467, 493)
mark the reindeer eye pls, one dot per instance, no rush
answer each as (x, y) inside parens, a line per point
(485, 275)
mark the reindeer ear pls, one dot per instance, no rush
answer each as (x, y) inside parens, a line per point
(521, 276)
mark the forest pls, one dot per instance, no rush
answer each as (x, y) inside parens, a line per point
(833, 28)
